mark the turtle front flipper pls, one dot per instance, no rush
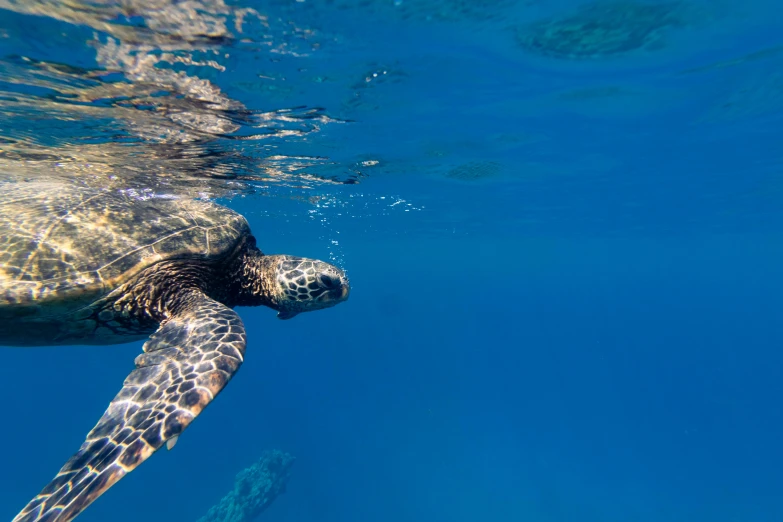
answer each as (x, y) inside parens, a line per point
(185, 365)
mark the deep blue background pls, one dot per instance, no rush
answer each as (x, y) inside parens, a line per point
(590, 334)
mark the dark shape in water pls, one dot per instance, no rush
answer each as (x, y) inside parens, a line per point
(601, 30)
(474, 171)
(255, 488)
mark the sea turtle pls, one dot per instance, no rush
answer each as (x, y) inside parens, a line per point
(90, 266)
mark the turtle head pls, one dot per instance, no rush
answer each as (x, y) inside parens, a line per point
(301, 285)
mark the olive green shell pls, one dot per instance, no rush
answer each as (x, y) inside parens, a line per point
(63, 247)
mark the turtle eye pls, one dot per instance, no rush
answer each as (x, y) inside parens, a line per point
(330, 282)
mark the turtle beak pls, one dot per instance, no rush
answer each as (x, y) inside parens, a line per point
(337, 295)
(284, 314)
(341, 294)
(345, 289)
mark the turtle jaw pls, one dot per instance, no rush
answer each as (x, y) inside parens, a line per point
(326, 300)
(285, 314)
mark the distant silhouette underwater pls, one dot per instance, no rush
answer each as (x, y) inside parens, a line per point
(255, 488)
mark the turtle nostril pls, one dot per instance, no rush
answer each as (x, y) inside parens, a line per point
(330, 282)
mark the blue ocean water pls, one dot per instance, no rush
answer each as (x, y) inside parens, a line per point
(561, 221)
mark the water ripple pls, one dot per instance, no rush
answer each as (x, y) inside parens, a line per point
(146, 110)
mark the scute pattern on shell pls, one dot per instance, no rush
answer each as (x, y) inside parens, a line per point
(46, 260)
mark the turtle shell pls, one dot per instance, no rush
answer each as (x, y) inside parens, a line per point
(62, 247)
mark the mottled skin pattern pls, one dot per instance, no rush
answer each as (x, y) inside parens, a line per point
(185, 365)
(85, 266)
